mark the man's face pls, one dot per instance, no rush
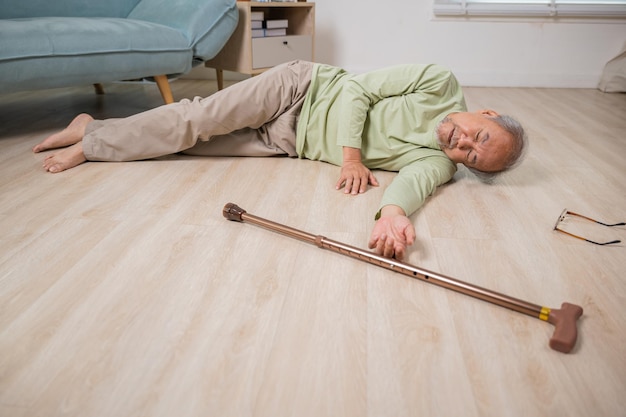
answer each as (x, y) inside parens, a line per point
(475, 140)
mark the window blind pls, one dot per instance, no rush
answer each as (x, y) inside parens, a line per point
(531, 8)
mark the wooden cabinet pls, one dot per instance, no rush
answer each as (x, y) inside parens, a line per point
(245, 54)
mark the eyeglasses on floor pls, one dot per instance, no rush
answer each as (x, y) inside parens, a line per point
(566, 213)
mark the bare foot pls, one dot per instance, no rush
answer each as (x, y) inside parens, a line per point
(65, 159)
(72, 134)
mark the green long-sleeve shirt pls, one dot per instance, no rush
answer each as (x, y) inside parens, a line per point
(391, 115)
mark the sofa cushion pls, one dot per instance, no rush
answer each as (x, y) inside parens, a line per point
(55, 36)
(208, 26)
(62, 43)
(68, 8)
(58, 52)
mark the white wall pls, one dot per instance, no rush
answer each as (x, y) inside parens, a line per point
(367, 34)
(362, 35)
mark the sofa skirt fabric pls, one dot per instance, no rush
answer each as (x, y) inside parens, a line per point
(55, 71)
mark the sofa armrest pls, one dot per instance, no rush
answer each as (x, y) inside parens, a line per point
(207, 24)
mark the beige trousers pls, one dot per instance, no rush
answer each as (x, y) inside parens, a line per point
(255, 117)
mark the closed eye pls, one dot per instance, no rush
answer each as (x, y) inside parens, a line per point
(474, 159)
(471, 158)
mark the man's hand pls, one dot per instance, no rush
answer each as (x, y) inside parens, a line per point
(354, 176)
(392, 233)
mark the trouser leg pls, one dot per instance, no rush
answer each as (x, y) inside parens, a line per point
(276, 138)
(253, 109)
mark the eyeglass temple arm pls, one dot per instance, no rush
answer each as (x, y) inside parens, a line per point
(596, 221)
(587, 240)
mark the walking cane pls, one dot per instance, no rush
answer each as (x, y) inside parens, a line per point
(563, 319)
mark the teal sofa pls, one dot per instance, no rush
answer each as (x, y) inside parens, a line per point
(61, 43)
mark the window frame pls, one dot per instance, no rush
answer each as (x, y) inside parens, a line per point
(599, 9)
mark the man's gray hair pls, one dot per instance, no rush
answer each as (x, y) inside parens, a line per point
(520, 147)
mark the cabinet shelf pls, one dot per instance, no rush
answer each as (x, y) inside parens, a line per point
(252, 56)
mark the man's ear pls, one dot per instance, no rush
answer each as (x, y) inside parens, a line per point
(488, 113)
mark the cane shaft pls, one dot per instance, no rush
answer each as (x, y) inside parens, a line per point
(431, 277)
(396, 266)
(280, 228)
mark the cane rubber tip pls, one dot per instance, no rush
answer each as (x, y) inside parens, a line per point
(233, 212)
(565, 331)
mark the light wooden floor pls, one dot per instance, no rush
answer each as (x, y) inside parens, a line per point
(124, 292)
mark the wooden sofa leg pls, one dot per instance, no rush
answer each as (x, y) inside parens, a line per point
(219, 74)
(164, 88)
(99, 89)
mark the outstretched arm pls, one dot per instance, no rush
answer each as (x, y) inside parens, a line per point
(354, 176)
(392, 233)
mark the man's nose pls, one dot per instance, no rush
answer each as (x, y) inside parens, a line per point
(465, 142)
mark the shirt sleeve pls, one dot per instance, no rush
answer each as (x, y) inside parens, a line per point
(362, 91)
(416, 181)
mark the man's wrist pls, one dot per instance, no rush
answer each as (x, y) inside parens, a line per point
(390, 210)
(351, 154)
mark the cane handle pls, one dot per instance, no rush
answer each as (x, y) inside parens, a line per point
(565, 331)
